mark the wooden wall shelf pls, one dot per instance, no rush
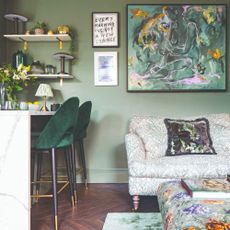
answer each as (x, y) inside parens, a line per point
(52, 76)
(38, 38)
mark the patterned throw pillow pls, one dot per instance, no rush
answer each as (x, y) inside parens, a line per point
(188, 137)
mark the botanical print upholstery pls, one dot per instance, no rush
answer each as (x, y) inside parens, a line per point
(180, 211)
(188, 137)
(148, 166)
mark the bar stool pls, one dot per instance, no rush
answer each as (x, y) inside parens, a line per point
(76, 136)
(50, 139)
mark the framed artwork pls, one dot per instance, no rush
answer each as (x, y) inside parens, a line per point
(176, 47)
(105, 69)
(105, 29)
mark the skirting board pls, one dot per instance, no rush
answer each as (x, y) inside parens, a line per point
(106, 175)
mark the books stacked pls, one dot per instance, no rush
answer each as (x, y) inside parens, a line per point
(207, 188)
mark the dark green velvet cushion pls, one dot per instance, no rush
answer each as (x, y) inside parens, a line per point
(62, 121)
(83, 120)
(80, 127)
(188, 137)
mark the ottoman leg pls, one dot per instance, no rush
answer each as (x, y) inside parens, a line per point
(136, 202)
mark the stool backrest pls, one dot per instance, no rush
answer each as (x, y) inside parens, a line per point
(62, 121)
(83, 120)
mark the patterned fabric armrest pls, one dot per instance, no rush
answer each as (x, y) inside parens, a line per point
(134, 147)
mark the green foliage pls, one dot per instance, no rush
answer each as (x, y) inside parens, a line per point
(40, 25)
(15, 79)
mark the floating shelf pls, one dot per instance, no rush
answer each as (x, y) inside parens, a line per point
(38, 38)
(52, 76)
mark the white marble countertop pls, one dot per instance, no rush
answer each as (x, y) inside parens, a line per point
(26, 112)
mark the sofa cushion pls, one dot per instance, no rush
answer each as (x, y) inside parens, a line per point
(149, 127)
(188, 137)
(184, 166)
(154, 137)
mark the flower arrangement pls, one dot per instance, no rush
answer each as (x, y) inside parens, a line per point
(14, 79)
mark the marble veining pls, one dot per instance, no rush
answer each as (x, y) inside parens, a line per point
(15, 170)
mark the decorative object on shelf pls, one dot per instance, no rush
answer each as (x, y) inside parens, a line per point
(37, 67)
(44, 90)
(23, 105)
(62, 57)
(105, 68)
(173, 48)
(40, 28)
(13, 80)
(105, 29)
(50, 69)
(17, 19)
(19, 58)
(35, 106)
(54, 107)
(50, 32)
(63, 29)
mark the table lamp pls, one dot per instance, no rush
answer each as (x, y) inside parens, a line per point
(44, 90)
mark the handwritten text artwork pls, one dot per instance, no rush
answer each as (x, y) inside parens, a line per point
(105, 29)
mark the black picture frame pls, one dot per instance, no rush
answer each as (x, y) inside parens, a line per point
(105, 29)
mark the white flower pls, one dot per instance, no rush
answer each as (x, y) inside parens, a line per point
(20, 67)
(16, 76)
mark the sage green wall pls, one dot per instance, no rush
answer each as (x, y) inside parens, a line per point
(2, 31)
(112, 106)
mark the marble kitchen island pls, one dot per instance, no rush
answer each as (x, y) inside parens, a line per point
(15, 136)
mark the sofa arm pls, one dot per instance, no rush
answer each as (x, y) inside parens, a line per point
(134, 147)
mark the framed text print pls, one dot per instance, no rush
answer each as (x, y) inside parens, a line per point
(105, 68)
(105, 29)
(176, 47)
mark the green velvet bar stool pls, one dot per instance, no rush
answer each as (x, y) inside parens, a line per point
(79, 132)
(51, 139)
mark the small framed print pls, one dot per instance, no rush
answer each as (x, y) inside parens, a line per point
(105, 69)
(105, 29)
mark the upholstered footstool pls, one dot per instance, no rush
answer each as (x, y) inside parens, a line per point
(181, 212)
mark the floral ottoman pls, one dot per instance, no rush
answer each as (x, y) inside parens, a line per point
(181, 212)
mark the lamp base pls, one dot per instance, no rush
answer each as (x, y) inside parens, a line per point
(44, 109)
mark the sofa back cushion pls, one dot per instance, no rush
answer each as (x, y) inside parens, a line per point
(220, 132)
(153, 132)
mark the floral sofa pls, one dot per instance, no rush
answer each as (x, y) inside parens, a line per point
(180, 212)
(148, 163)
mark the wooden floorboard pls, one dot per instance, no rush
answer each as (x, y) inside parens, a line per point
(91, 209)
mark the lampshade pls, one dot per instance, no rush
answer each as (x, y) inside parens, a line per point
(44, 90)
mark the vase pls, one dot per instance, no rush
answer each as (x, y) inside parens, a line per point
(8, 99)
(2, 96)
(19, 58)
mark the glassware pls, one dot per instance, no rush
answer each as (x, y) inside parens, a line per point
(50, 69)
(36, 67)
(2, 96)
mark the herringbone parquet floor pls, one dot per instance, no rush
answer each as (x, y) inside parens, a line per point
(91, 209)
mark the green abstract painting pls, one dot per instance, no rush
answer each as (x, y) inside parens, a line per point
(176, 47)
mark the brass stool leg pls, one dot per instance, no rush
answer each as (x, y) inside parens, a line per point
(38, 176)
(54, 184)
